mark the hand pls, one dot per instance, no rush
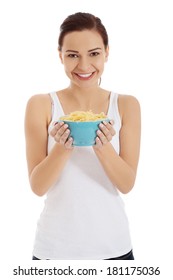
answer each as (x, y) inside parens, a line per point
(61, 133)
(105, 133)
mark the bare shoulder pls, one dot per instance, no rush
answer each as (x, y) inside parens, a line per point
(39, 104)
(128, 104)
(39, 100)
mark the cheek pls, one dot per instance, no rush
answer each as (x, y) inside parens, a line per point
(69, 68)
(69, 65)
(100, 66)
(100, 63)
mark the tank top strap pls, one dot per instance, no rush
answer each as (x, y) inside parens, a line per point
(57, 109)
(113, 110)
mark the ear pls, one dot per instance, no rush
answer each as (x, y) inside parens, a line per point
(106, 54)
(60, 56)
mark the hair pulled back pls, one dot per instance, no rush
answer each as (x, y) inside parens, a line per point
(79, 22)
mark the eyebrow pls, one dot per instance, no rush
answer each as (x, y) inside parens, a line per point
(88, 51)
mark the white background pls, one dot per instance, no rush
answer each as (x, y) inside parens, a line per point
(140, 63)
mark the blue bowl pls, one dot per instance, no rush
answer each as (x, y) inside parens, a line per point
(84, 133)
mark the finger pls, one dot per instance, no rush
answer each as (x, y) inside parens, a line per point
(63, 138)
(111, 122)
(68, 143)
(98, 144)
(56, 127)
(109, 137)
(61, 130)
(102, 137)
(109, 126)
(105, 130)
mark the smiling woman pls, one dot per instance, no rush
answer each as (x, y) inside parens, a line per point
(84, 216)
(83, 55)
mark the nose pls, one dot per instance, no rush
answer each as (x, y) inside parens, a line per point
(84, 64)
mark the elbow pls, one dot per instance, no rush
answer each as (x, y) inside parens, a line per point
(126, 189)
(127, 185)
(37, 192)
(37, 188)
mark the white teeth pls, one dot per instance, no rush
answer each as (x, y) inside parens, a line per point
(85, 75)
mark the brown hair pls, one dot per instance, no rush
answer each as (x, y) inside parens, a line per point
(82, 21)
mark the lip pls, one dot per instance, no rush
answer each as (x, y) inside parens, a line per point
(84, 76)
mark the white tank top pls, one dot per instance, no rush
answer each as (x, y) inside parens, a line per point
(83, 216)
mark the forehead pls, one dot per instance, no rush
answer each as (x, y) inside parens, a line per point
(85, 40)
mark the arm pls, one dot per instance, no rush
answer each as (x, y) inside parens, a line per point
(43, 169)
(121, 169)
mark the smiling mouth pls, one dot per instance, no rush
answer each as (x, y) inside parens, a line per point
(85, 76)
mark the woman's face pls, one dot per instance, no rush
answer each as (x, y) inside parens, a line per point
(83, 55)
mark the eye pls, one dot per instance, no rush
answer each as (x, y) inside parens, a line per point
(94, 53)
(73, 55)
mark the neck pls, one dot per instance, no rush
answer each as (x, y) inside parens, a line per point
(85, 97)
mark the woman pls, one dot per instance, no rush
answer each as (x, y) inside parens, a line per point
(84, 215)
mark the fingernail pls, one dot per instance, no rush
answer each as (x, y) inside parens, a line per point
(60, 123)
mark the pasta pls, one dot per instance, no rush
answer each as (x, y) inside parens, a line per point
(82, 116)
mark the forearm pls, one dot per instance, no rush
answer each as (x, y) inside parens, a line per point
(47, 172)
(119, 172)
